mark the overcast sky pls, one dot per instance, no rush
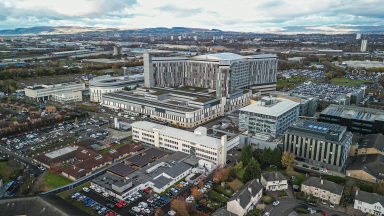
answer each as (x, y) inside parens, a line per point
(236, 15)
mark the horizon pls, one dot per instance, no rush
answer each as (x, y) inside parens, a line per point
(264, 16)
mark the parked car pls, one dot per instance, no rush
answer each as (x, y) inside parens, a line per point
(276, 203)
(85, 189)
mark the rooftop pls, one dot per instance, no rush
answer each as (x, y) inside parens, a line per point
(354, 112)
(372, 164)
(245, 194)
(324, 131)
(276, 108)
(370, 198)
(324, 185)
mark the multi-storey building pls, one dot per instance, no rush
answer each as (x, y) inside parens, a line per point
(356, 119)
(107, 84)
(369, 203)
(46, 92)
(323, 189)
(181, 108)
(269, 117)
(225, 73)
(318, 144)
(196, 143)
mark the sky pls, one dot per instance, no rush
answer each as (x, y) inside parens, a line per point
(229, 15)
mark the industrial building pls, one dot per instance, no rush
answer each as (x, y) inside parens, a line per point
(320, 145)
(307, 104)
(107, 84)
(178, 107)
(268, 117)
(213, 149)
(225, 73)
(356, 119)
(63, 92)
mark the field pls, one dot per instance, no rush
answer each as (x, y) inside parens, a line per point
(52, 180)
(348, 82)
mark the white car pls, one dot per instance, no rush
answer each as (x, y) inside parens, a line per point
(276, 203)
(267, 214)
(172, 213)
(136, 209)
(98, 190)
(85, 189)
(332, 205)
(105, 194)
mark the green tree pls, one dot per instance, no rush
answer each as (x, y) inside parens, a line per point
(246, 154)
(252, 171)
(276, 157)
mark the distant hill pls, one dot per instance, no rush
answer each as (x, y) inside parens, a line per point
(49, 30)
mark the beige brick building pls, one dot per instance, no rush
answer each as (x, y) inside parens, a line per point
(325, 190)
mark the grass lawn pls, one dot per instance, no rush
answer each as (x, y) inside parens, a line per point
(348, 82)
(52, 180)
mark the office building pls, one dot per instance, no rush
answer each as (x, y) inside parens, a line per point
(175, 106)
(62, 92)
(364, 44)
(317, 144)
(325, 190)
(107, 84)
(269, 117)
(225, 73)
(356, 119)
(369, 203)
(307, 104)
(196, 143)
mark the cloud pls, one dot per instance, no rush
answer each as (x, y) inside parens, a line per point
(241, 15)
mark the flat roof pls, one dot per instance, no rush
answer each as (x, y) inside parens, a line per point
(60, 152)
(121, 169)
(275, 109)
(147, 157)
(354, 112)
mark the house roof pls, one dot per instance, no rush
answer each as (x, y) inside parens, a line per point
(245, 195)
(372, 164)
(121, 169)
(274, 176)
(324, 185)
(370, 198)
(370, 141)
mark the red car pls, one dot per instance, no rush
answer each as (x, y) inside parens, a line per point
(111, 213)
(325, 213)
(121, 204)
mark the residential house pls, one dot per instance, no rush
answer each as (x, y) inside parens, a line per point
(274, 181)
(369, 203)
(367, 168)
(323, 189)
(245, 199)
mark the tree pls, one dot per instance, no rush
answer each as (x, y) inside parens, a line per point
(252, 171)
(276, 157)
(159, 212)
(246, 154)
(221, 174)
(201, 183)
(180, 207)
(287, 159)
(196, 192)
(380, 188)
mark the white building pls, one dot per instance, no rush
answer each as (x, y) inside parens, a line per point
(197, 143)
(246, 199)
(364, 44)
(182, 108)
(274, 181)
(107, 84)
(369, 203)
(269, 117)
(46, 92)
(67, 96)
